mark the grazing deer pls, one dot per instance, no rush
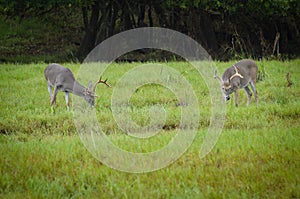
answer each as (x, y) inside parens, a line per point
(63, 79)
(240, 75)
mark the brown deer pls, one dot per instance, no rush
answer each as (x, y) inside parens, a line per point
(62, 79)
(240, 75)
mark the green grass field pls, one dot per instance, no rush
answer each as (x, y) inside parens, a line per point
(256, 156)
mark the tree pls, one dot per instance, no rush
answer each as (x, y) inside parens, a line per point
(225, 28)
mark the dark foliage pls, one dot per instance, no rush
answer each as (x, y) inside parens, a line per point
(227, 29)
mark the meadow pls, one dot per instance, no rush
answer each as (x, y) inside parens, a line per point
(256, 156)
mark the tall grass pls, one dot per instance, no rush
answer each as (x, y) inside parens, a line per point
(257, 155)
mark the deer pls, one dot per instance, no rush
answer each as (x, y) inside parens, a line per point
(62, 79)
(240, 75)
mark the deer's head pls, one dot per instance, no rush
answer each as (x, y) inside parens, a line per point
(89, 94)
(226, 87)
(230, 84)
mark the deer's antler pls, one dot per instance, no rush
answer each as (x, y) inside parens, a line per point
(236, 73)
(101, 81)
(216, 76)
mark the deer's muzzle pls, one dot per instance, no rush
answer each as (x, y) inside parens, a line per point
(227, 98)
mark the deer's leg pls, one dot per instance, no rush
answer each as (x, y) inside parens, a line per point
(50, 91)
(249, 94)
(252, 84)
(67, 100)
(53, 97)
(237, 98)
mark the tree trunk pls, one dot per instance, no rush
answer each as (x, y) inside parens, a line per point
(91, 28)
(87, 44)
(150, 16)
(199, 25)
(141, 16)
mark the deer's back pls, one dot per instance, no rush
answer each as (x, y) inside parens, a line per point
(56, 74)
(247, 68)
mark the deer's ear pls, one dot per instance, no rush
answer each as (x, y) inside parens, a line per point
(90, 85)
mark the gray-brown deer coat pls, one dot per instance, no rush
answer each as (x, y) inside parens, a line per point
(62, 79)
(240, 75)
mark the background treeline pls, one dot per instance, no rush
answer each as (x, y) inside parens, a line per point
(69, 29)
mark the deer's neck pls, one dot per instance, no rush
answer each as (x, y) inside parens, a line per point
(78, 89)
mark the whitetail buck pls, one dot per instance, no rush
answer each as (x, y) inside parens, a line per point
(63, 79)
(240, 75)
